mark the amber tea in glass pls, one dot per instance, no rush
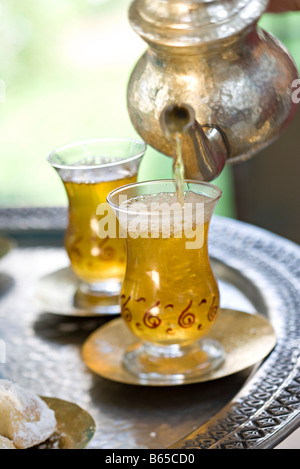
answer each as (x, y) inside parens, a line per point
(89, 171)
(170, 297)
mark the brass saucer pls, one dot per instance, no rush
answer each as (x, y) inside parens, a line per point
(75, 426)
(57, 293)
(247, 339)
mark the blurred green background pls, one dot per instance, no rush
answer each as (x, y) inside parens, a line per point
(64, 70)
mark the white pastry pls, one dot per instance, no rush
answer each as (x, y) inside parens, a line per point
(5, 443)
(24, 417)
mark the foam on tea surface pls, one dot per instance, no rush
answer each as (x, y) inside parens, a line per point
(161, 214)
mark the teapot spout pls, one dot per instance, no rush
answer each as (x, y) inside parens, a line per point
(205, 148)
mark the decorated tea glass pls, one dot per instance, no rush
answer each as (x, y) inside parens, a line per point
(170, 296)
(89, 171)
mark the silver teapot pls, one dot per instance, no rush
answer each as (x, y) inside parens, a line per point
(212, 75)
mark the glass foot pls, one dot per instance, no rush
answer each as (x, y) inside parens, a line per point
(99, 300)
(173, 364)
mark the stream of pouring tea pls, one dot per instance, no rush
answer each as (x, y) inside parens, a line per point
(175, 119)
(178, 169)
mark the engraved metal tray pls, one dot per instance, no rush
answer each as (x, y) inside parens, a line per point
(256, 408)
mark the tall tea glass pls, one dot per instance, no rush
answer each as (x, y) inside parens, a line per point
(89, 170)
(170, 297)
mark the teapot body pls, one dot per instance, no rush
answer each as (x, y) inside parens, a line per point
(241, 83)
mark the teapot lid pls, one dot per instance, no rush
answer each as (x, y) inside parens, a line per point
(192, 22)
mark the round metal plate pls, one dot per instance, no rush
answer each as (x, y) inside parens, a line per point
(255, 408)
(246, 339)
(75, 426)
(65, 284)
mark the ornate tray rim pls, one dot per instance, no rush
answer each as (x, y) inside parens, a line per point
(267, 409)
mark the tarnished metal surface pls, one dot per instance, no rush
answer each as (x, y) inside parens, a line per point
(211, 56)
(255, 408)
